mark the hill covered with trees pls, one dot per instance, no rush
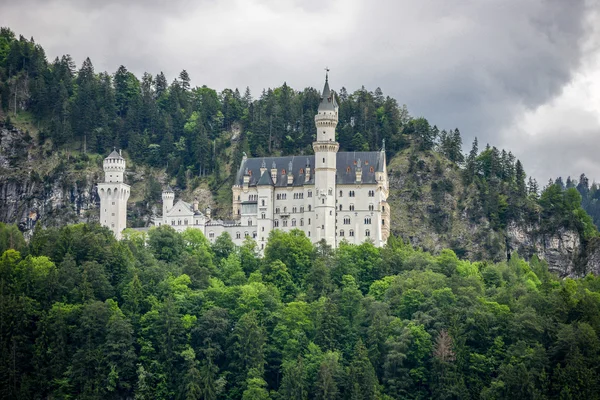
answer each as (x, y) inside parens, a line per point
(84, 316)
(482, 205)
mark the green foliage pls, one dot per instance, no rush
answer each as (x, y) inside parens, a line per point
(86, 316)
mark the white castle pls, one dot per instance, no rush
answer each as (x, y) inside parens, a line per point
(331, 196)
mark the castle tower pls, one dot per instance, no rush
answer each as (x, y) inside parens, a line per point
(168, 197)
(114, 194)
(325, 148)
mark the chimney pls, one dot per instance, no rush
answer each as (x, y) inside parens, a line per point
(263, 167)
(290, 174)
(358, 171)
(274, 173)
(246, 179)
(307, 171)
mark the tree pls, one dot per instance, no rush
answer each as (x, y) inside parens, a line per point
(362, 380)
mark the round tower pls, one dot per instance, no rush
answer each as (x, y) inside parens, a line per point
(168, 197)
(114, 167)
(114, 193)
(326, 149)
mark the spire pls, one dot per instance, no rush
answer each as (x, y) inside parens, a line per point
(327, 98)
(383, 145)
(290, 166)
(264, 164)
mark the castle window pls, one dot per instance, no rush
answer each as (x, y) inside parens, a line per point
(293, 222)
(342, 233)
(294, 209)
(310, 193)
(285, 222)
(346, 220)
(284, 209)
(308, 233)
(367, 220)
(173, 222)
(238, 197)
(351, 233)
(323, 227)
(245, 233)
(113, 203)
(323, 160)
(276, 210)
(211, 235)
(263, 215)
(263, 202)
(179, 222)
(185, 221)
(383, 222)
(330, 191)
(322, 201)
(367, 233)
(351, 207)
(371, 193)
(330, 212)
(301, 208)
(276, 223)
(370, 207)
(341, 193)
(254, 234)
(383, 208)
(238, 235)
(340, 207)
(249, 222)
(238, 211)
(113, 214)
(309, 221)
(309, 207)
(301, 222)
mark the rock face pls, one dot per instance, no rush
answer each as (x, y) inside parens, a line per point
(34, 189)
(563, 250)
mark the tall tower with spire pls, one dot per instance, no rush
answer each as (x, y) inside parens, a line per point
(114, 194)
(326, 149)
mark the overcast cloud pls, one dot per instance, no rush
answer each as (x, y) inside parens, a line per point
(519, 74)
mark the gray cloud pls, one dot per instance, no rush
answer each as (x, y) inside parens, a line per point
(477, 65)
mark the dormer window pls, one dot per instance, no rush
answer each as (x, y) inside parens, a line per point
(283, 172)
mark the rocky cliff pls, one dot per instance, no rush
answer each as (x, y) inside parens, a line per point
(432, 209)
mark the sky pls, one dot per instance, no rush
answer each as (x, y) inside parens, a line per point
(523, 75)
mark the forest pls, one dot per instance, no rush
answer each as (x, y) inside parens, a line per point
(85, 316)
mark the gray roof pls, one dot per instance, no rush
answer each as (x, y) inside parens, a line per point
(265, 179)
(115, 154)
(347, 162)
(328, 102)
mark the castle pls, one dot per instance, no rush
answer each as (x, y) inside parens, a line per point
(331, 196)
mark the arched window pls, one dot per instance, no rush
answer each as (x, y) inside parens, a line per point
(238, 235)
(341, 193)
(351, 233)
(322, 201)
(340, 207)
(301, 221)
(309, 207)
(367, 233)
(367, 220)
(371, 207)
(351, 207)
(249, 222)
(346, 220)
(342, 233)
(293, 222)
(276, 223)
(310, 193)
(263, 202)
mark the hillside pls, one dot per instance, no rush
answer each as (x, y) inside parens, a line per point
(59, 122)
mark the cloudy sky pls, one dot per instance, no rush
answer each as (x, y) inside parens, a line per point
(519, 74)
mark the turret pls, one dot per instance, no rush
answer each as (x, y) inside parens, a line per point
(168, 197)
(114, 167)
